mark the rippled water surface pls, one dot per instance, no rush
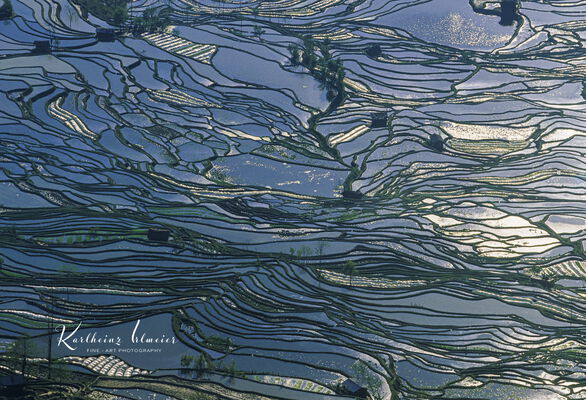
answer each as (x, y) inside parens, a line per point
(307, 244)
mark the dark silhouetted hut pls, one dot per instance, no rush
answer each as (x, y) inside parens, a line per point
(105, 34)
(42, 46)
(374, 50)
(436, 142)
(158, 235)
(352, 388)
(378, 120)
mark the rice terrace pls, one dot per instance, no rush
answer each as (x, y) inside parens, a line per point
(293, 199)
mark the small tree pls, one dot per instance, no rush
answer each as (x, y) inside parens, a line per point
(349, 268)
(186, 361)
(204, 363)
(119, 16)
(304, 251)
(365, 376)
(295, 52)
(258, 31)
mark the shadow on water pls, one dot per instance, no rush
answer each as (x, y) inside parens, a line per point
(401, 209)
(507, 10)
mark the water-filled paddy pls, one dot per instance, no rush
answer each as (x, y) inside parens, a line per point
(434, 252)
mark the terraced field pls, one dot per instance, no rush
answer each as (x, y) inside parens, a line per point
(388, 191)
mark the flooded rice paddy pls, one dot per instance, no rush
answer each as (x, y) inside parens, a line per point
(436, 255)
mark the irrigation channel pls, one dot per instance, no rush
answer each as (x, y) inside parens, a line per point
(387, 191)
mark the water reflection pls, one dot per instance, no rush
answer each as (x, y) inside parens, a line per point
(429, 222)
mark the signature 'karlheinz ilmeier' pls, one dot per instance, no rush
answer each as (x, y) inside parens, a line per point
(72, 340)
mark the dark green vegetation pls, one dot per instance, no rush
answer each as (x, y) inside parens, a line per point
(203, 363)
(317, 58)
(396, 199)
(374, 50)
(6, 11)
(151, 20)
(42, 377)
(114, 11)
